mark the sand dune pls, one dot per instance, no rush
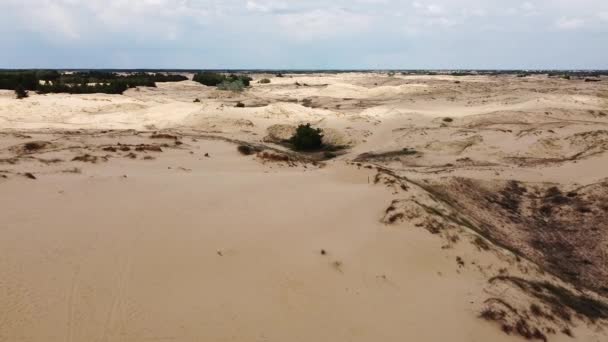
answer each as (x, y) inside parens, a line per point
(469, 211)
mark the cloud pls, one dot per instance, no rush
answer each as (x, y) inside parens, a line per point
(569, 23)
(286, 33)
(323, 24)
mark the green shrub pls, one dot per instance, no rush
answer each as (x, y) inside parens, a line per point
(307, 138)
(210, 79)
(20, 92)
(232, 82)
(264, 81)
(246, 150)
(236, 85)
(246, 80)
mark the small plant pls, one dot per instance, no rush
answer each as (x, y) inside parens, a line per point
(264, 81)
(307, 138)
(329, 155)
(197, 100)
(391, 74)
(20, 92)
(448, 120)
(246, 150)
(240, 105)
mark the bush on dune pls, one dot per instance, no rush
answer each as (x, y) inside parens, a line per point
(307, 138)
(232, 82)
(235, 86)
(209, 79)
(20, 92)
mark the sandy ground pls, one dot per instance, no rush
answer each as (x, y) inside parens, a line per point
(455, 196)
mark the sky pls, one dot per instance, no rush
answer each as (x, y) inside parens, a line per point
(304, 34)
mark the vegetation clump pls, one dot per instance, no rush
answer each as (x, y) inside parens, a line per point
(209, 79)
(222, 82)
(235, 86)
(307, 138)
(20, 92)
(264, 81)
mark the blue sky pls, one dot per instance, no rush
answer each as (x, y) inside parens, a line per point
(304, 34)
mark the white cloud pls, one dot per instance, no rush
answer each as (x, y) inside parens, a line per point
(569, 23)
(428, 9)
(322, 24)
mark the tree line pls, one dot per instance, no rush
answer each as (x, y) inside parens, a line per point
(52, 81)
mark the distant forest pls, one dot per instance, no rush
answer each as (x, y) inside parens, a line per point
(117, 81)
(85, 82)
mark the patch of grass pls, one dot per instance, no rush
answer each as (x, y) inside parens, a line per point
(481, 243)
(560, 299)
(246, 150)
(273, 156)
(329, 155)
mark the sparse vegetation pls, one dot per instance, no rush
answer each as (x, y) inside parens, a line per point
(232, 82)
(561, 301)
(481, 243)
(307, 138)
(448, 120)
(264, 81)
(20, 92)
(246, 150)
(240, 105)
